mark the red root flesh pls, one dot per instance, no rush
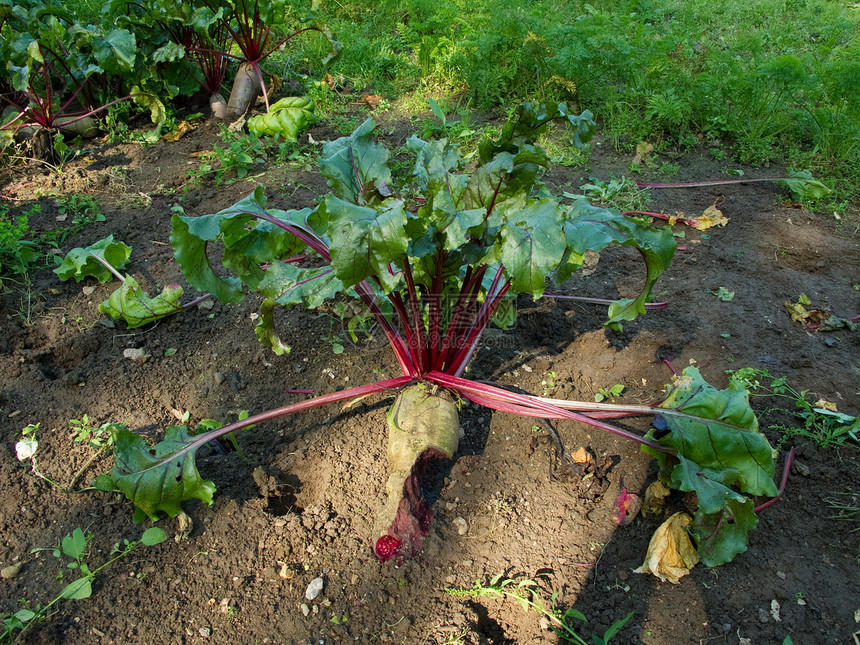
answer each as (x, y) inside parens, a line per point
(405, 536)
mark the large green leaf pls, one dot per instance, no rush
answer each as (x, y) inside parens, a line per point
(723, 535)
(159, 478)
(718, 431)
(587, 227)
(356, 167)
(719, 455)
(288, 118)
(364, 241)
(189, 249)
(532, 244)
(115, 51)
(131, 304)
(90, 261)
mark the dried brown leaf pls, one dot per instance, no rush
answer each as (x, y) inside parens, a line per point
(670, 554)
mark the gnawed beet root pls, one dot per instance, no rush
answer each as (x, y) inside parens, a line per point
(422, 426)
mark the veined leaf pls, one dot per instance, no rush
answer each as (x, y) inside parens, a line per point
(364, 241)
(159, 478)
(131, 304)
(290, 285)
(115, 51)
(356, 167)
(720, 456)
(189, 249)
(288, 118)
(591, 228)
(532, 244)
(718, 432)
(82, 262)
(723, 535)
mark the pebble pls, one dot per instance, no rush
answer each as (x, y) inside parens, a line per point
(462, 525)
(136, 354)
(305, 609)
(219, 378)
(11, 571)
(314, 588)
(205, 632)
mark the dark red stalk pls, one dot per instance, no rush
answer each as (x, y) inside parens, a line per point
(462, 358)
(334, 397)
(466, 299)
(397, 345)
(498, 398)
(435, 310)
(421, 350)
(720, 182)
(786, 469)
(400, 309)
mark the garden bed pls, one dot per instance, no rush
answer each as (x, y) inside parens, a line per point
(301, 505)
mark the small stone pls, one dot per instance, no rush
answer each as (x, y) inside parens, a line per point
(11, 571)
(88, 290)
(206, 304)
(219, 378)
(462, 525)
(305, 609)
(780, 575)
(623, 575)
(137, 354)
(314, 588)
(205, 632)
(353, 579)
(107, 323)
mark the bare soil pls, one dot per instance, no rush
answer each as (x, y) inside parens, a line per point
(303, 503)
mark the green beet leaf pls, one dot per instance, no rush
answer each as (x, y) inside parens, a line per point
(80, 263)
(287, 118)
(290, 285)
(720, 456)
(131, 304)
(356, 167)
(590, 228)
(532, 244)
(159, 478)
(364, 240)
(723, 535)
(718, 431)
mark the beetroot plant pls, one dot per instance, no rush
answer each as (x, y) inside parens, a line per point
(444, 270)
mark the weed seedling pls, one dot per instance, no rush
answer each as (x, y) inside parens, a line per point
(527, 593)
(826, 427)
(26, 449)
(73, 548)
(604, 394)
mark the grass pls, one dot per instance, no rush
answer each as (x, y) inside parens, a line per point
(772, 78)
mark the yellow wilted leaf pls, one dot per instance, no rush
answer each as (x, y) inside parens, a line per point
(655, 498)
(181, 130)
(671, 554)
(712, 216)
(643, 149)
(824, 404)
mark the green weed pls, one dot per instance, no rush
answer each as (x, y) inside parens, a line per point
(820, 422)
(72, 550)
(527, 593)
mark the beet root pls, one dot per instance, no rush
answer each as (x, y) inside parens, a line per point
(422, 426)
